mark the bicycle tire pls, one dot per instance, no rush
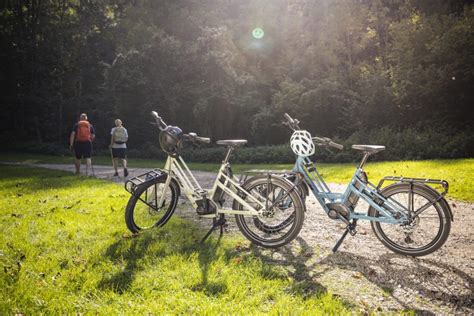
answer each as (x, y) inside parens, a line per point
(161, 218)
(302, 190)
(440, 208)
(271, 239)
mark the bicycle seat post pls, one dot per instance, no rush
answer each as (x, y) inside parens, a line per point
(364, 159)
(227, 156)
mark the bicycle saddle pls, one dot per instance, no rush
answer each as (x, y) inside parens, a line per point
(232, 142)
(371, 149)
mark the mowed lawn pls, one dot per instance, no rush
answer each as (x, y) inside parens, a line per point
(458, 172)
(64, 248)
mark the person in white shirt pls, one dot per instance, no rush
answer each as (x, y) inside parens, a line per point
(118, 146)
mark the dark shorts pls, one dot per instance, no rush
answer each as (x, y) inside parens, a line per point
(82, 149)
(119, 153)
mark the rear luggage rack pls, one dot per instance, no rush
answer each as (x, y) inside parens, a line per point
(132, 184)
(443, 183)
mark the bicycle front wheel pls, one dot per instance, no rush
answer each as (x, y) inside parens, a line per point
(426, 232)
(143, 212)
(284, 206)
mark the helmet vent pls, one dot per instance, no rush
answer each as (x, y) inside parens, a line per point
(302, 143)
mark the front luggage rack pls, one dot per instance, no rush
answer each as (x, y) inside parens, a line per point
(132, 184)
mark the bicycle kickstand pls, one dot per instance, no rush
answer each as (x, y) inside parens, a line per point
(219, 222)
(349, 229)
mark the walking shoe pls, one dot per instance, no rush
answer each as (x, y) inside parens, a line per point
(125, 172)
(116, 174)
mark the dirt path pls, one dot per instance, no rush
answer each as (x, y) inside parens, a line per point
(363, 271)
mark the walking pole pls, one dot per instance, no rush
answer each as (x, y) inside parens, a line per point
(71, 149)
(112, 157)
(92, 165)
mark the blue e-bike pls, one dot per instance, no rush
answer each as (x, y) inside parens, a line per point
(408, 216)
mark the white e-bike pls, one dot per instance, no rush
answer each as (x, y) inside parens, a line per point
(260, 203)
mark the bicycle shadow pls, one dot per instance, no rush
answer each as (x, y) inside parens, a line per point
(299, 267)
(418, 275)
(207, 254)
(118, 252)
(127, 253)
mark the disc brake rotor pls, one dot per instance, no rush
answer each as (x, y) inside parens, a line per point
(410, 228)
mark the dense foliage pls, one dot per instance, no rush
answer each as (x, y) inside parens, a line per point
(347, 69)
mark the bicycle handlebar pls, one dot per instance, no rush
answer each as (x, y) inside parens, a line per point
(323, 141)
(292, 123)
(194, 138)
(159, 121)
(328, 142)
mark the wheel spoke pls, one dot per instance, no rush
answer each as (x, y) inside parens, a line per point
(277, 221)
(145, 213)
(425, 232)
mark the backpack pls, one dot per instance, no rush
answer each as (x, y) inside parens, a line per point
(120, 135)
(83, 133)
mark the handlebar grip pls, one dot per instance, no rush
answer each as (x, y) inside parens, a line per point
(319, 139)
(328, 142)
(192, 137)
(205, 140)
(288, 117)
(161, 125)
(336, 145)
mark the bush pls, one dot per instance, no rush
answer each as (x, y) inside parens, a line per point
(406, 144)
(38, 148)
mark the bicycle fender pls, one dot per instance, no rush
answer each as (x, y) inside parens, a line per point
(153, 177)
(235, 204)
(442, 200)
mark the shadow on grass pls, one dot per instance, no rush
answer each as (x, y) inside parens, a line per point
(304, 283)
(120, 282)
(25, 179)
(425, 276)
(207, 255)
(177, 237)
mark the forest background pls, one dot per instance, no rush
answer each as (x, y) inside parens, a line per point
(392, 72)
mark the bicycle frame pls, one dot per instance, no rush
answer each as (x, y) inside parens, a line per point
(177, 168)
(390, 210)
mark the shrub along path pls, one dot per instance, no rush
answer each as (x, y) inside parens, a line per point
(363, 271)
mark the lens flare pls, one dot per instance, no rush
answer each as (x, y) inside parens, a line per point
(258, 33)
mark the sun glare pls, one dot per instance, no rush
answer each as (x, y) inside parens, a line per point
(258, 33)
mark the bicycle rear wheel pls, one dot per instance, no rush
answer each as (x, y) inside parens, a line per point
(426, 232)
(282, 220)
(302, 190)
(142, 211)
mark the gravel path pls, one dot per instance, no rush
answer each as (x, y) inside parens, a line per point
(363, 271)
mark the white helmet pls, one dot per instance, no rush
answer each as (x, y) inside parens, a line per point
(302, 144)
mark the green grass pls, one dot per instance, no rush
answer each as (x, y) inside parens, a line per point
(458, 172)
(64, 248)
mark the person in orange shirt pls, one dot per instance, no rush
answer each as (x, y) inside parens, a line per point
(82, 135)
